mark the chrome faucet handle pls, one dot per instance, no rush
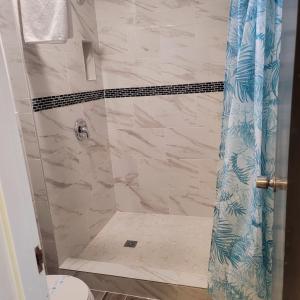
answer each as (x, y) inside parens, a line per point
(81, 130)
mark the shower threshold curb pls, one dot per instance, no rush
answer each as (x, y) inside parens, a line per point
(138, 287)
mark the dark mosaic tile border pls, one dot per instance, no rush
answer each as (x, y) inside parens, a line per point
(193, 88)
(45, 103)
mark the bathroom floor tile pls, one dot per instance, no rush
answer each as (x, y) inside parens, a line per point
(98, 295)
(110, 296)
(136, 298)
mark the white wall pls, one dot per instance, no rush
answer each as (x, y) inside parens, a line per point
(9, 288)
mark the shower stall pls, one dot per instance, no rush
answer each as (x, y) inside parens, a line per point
(121, 128)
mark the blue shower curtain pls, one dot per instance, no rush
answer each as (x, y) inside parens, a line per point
(240, 264)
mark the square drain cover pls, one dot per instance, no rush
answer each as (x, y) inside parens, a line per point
(130, 244)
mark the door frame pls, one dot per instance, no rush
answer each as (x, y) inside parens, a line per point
(19, 233)
(291, 283)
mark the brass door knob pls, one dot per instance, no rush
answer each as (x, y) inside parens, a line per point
(263, 182)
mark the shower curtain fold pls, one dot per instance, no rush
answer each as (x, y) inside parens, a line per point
(240, 264)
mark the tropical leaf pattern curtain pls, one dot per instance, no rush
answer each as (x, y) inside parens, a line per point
(240, 264)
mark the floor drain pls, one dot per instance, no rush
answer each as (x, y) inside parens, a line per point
(130, 244)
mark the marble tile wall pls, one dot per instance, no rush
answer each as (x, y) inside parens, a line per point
(156, 42)
(78, 174)
(164, 152)
(55, 69)
(12, 44)
(164, 149)
(71, 182)
(155, 143)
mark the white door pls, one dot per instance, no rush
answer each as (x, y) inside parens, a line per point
(18, 228)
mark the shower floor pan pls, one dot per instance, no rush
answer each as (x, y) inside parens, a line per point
(161, 248)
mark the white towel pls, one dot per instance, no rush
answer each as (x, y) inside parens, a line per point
(45, 21)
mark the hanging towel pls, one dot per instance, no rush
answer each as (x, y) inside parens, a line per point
(45, 21)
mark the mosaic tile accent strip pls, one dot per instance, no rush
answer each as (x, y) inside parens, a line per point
(193, 88)
(45, 103)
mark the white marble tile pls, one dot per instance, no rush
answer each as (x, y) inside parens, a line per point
(192, 186)
(55, 127)
(102, 204)
(78, 175)
(46, 230)
(145, 42)
(146, 13)
(151, 274)
(141, 288)
(7, 24)
(128, 198)
(114, 41)
(117, 55)
(141, 185)
(216, 9)
(193, 53)
(162, 236)
(37, 179)
(117, 12)
(167, 135)
(29, 136)
(17, 74)
(214, 33)
(177, 12)
(153, 201)
(59, 69)
(179, 59)
(166, 111)
(125, 169)
(162, 42)
(83, 17)
(143, 142)
(94, 113)
(84, 29)
(47, 70)
(147, 72)
(75, 67)
(209, 110)
(126, 51)
(9, 30)
(193, 142)
(69, 194)
(120, 114)
(101, 209)
(153, 185)
(118, 73)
